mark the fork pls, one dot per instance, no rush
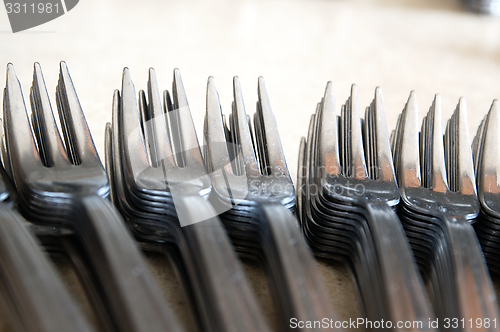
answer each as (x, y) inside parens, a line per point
(61, 184)
(256, 183)
(438, 191)
(350, 164)
(160, 161)
(486, 161)
(33, 294)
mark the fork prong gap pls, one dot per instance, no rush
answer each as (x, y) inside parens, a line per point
(66, 122)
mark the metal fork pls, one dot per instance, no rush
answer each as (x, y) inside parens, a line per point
(486, 149)
(33, 294)
(162, 167)
(351, 214)
(256, 184)
(61, 184)
(439, 200)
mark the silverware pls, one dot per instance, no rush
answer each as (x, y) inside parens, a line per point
(63, 185)
(486, 146)
(32, 295)
(439, 202)
(251, 180)
(162, 186)
(348, 191)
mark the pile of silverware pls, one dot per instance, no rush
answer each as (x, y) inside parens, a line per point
(398, 209)
(487, 166)
(439, 202)
(347, 193)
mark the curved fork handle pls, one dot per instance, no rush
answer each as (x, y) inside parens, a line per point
(134, 297)
(404, 289)
(36, 291)
(476, 295)
(229, 302)
(306, 296)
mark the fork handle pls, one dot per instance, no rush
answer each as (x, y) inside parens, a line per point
(31, 288)
(403, 286)
(473, 286)
(135, 300)
(229, 304)
(301, 291)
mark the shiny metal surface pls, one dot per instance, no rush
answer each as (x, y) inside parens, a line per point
(250, 177)
(348, 190)
(61, 183)
(439, 201)
(486, 153)
(161, 185)
(32, 292)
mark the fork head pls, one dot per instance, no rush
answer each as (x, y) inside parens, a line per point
(158, 141)
(353, 157)
(251, 160)
(435, 174)
(487, 160)
(40, 158)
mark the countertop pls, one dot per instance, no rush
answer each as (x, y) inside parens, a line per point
(296, 45)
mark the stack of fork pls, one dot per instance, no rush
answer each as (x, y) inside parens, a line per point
(202, 210)
(158, 176)
(347, 191)
(486, 147)
(439, 201)
(32, 294)
(64, 185)
(251, 181)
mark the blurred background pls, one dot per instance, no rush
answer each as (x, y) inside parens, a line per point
(296, 45)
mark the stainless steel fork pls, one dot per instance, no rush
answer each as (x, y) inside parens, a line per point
(350, 216)
(33, 295)
(156, 149)
(439, 201)
(486, 149)
(250, 176)
(61, 184)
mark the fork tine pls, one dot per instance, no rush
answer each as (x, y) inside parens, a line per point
(78, 139)
(190, 145)
(490, 163)
(244, 134)
(218, 157)
(409, 161)
(467, 181)
(49, 140)
(4, 154)
(146, 124)
(20, 142)
(476, 146)
(357, 160)
(275, 155)
(215, 131)
(396, 142)
(328, 142)
(438, 170)
(128, 123)
(383, 153)
(159, 131)
(301, 174)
